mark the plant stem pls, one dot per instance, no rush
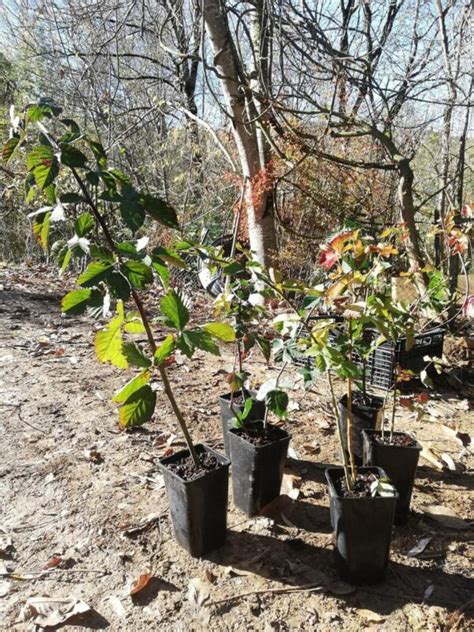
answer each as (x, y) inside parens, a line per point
(349, 410)
(339, 430)
(145, 321)
(392, 422)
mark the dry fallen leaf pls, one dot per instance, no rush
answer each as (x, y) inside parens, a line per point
(139, 584)
(369, 616)
(130, 529)
(53, 562)
(446, 516)
(49, 612)
(290, 485)
(211, 578)
(449, 461)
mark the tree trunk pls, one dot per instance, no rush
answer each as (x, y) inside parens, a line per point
(407, 207)
(258, 206)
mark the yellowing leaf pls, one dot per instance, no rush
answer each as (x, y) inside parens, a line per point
(108, 344)
(130, 387)
(223, 331)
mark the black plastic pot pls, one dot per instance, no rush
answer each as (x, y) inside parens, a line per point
(257, 471)
(363, 417)
(256, 412)
(198, 507)
(399, 462)
(363, 530)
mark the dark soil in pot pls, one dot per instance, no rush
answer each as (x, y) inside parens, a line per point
(227, 415)
(197, 498)
(399, 458)
(366, 414)
(258, 461)
(362, 526)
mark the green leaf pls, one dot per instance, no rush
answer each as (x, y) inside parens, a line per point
(135, 355)
(265, 347)
(72, 157)
(44, 165)
(74, 130)
(133, 385)
(172, 306)
(129, 250)
(71, 198)
(166, 255)
(233, 268)
(200, 339)
(277, 402)
(99, 153)
(64, 259)
(8, 148)
(222, 331)
(102, 253)
(138, 273)
(162, 272)
(118, 285)
(133, 214)
(41, 226)
(134, 324)
(84, 224)
(138, 409)
(108, 344)
(160, 211)
(93, 178)
(165, 349)
(77, 301)
(96, 272)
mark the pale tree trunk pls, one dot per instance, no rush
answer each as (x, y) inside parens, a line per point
(260, 214)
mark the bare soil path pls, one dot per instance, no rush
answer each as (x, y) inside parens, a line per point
(84, 511)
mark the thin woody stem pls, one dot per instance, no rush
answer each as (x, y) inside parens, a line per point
(145, 320)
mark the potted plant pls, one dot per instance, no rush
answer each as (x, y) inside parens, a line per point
(362, 500)
(70, 172)
(258, 452)
(246, 319)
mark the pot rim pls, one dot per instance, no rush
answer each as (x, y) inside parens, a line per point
(333, 491)
(417, 445)
(287, 437)
(250, 391)
(200, 447)
(374, 398)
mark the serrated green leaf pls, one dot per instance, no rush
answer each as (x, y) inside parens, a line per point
(74, 130)
(198, 339)
(135, 355)
(118, 285)
(160, 211)
(8, 149)
(172, 306)
(264, 346)
(99, 153)
(108, 344)
(277, 401)
(165, 349)
(138, 273)
(222, 331)
(84, 224)
(41, 226)
(133, 213)
(44, 165)
(49, 193)
(162, 272)
(96, 272)
(102, 253)
(133, 385)
(71, 198)
(64, 259)
(77, 301)
(72, 157)
(134, 324)
(138, 409)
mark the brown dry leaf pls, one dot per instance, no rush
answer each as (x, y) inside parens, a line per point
(49, 612)
(167, 452)
(236, 572)
(53, 562)
(149, 520)
(139, 584)
(312, 449)
(370, 616)
(428, 455)
(446, 516)
(282, 504)
(211, 578)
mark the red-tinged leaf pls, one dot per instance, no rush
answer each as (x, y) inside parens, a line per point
(139, 584)
(54, 561)
(423, 398)
(328, 258)
(405, 402)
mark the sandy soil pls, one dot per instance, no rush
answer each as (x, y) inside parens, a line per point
(75, 491)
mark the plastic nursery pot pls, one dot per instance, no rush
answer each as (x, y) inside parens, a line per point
(257, 470)
(364, 416)
(363, 530)
(198, 507)
(400, 463)
(256, 412)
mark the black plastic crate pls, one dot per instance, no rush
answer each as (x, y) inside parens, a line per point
(382, 362)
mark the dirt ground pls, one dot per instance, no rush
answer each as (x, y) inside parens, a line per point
(84, 509)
